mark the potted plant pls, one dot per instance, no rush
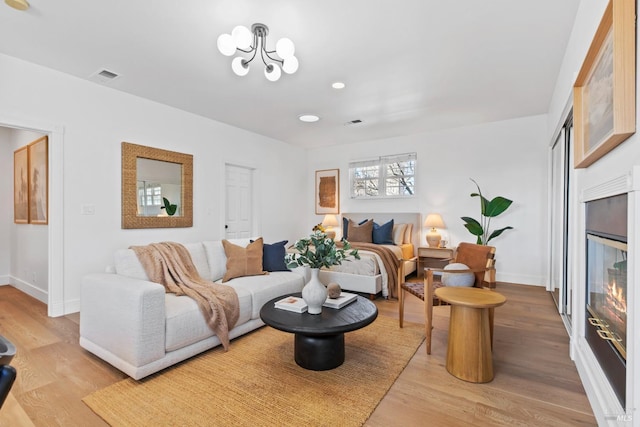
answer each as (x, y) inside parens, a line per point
(317, 251)
(488, 210)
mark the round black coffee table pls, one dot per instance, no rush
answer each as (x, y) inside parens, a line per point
(319, 338)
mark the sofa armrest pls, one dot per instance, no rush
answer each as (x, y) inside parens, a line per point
(124, 316)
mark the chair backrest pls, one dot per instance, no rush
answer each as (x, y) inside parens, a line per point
(476, 257)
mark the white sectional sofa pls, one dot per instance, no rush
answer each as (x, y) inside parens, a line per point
(135, 326)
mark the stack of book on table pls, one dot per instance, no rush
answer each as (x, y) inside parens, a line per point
(294, 304)
(344, 299)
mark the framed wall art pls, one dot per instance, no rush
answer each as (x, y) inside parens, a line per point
(38, 181)
(327, 191)
(604, 92)
(21, 186)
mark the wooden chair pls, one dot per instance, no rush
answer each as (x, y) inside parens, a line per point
(479, 259)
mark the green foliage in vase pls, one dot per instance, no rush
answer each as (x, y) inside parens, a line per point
(171, 209)
(317, 251)
(488, 210)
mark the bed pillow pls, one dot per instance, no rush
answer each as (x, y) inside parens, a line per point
(243, 261)
(345, 226)
(398, 233)
(361, 232)
(383, 234)
(273, 256)
(408, 232)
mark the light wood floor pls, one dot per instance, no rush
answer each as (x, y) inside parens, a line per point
(536, 384)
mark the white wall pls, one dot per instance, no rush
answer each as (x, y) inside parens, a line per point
(506, 158)
(615, 164)
(96, 119)
(6, 203)
(28, 243)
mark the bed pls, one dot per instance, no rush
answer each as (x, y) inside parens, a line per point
(371, 273)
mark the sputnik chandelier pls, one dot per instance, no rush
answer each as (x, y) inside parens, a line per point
(253, 41)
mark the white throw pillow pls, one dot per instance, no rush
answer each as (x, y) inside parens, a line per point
(459, 279)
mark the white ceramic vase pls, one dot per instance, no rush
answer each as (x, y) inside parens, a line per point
(314, 293)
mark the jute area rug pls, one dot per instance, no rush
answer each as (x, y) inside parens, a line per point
(257, 383)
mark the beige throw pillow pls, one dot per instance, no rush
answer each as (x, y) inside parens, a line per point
(398, 233)
(243, 261)
(360, 233)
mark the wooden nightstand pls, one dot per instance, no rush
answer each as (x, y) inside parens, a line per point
(433, 257)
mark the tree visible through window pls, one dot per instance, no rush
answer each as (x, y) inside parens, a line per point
(389, 176)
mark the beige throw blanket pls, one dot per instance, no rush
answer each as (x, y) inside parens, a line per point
(390, 261)
(170, 264)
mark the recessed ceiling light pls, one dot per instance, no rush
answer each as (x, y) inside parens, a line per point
(338, 85)
(308, 118)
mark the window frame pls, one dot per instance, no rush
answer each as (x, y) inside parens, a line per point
(379, 171)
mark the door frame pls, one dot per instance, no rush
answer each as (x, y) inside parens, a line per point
(56, 305)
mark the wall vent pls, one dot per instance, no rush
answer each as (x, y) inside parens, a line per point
(103, 76)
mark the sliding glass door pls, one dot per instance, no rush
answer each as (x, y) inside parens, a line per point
(561, 166)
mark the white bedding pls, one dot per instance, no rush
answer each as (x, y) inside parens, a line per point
(369, 264)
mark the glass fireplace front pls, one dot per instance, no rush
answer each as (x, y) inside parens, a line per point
(607, 290)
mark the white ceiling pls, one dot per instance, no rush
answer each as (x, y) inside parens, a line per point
(410, 66)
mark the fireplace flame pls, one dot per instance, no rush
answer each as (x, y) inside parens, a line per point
(617, 297)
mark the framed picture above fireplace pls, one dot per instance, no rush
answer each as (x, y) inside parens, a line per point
(604, 94)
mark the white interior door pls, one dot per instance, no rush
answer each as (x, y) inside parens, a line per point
(239, 207)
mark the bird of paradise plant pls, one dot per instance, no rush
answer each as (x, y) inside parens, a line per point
(488, 210)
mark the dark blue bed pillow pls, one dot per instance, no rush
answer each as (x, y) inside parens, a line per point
(273, 256)
(345, 226)
(383, 234)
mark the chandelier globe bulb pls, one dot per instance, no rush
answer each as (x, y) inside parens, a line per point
(272, 72)
(285, 48)
(290, 65)
(242, 37)
(239, 66)
(226, 45)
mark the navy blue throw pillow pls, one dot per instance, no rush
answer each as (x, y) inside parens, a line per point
(383, 234)
(345, 227)
(273, 256)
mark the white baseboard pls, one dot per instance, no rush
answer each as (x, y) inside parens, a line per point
(520, 279)
(29, 289)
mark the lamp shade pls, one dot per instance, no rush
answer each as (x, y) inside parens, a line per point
(434, 221)
(330, 221)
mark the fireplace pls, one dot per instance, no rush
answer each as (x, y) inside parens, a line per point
(606, 294)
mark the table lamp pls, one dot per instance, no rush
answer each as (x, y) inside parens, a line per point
(329, 222)
(433, 237)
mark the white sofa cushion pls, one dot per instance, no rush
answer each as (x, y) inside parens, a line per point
(127, 263)
(266, 287)
(185, 323)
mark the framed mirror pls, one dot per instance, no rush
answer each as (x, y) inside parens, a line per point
(157, 187)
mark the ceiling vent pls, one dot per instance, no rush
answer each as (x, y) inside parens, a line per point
(103, 76)
(353, 122)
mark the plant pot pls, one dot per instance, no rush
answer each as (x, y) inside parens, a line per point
(314, 293)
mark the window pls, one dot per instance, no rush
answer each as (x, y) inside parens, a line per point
(388, 176)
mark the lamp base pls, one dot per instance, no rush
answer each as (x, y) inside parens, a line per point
(433, 239)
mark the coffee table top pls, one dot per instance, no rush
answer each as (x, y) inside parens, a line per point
(331, 321)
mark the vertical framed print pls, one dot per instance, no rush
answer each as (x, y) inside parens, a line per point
(604, 94)
(39, 181)
(327, 191)
(21, 186)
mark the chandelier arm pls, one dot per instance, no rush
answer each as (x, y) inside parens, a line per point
(267, 52)
(254, 49)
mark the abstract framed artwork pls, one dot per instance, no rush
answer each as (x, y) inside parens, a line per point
(327, 191)
(604, 92)
(21, 186)
(38, 181)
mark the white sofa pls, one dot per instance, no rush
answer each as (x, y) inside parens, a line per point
(135, 326)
